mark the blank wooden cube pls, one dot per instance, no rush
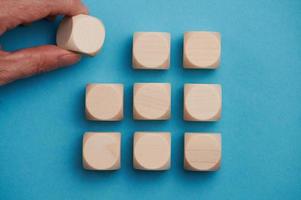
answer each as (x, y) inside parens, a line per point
(202, 50)
(81, 33)
(152, 101)
(101, 151)
(202, 102)
(152, 150)
(104, 102)
(151, 50)
(202, 152)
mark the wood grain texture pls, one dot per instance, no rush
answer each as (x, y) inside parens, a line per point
(152, 101)
(101, 150)
(152, 150)
(81, 33)
(202, 151)
(104, 102)
(202, 102)
(151, 50)
(202, 50)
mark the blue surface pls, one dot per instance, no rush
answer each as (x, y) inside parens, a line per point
(42, 118)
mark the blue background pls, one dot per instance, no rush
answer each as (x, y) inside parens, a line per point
(42, 118)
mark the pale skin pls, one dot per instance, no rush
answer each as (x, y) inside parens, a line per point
(31, 61)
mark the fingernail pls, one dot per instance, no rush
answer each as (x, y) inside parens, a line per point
(68, 59)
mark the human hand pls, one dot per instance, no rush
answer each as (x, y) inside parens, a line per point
(27, 62)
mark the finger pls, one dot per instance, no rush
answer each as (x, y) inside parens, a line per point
(3, 53)
(28, 62)
(67, 7)
(14, 13)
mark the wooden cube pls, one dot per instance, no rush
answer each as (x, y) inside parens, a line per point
(152, 101)
(101, 151)
(104, 102)
(151, 50)
(202, 152)
(202, 102)
(81, 33)
(152, 150)
(202, 50)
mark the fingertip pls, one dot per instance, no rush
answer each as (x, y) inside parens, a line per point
(69, 8)
(80, 9)
(85, 10)
(68, 59)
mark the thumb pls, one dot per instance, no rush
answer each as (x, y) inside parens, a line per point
(28, 62)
